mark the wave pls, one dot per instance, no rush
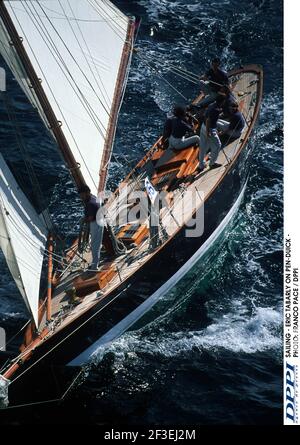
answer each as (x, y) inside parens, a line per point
(233, 332)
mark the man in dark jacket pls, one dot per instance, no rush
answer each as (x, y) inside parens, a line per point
(209, 139)
(177, 128)
(233, 129)
(96, 223)
(212, 82)
(228, 102)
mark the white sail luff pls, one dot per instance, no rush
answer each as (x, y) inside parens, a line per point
(22, 239)
(76, 48)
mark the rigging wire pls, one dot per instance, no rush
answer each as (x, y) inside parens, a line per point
(183, 76)
(33, 243)
(20, 230)
(105, 95)
(160, 62)
(11, 339)
(59, 259)
(114, 26)
(57, 400)
(41, 28)
(192, 77)
(62, 65)
(155, 70)
(64, 339)
(46, 37)
(60, 16)
(51, 91)
(74, 60)
(116, 10)
(29, 166)
(188, 73)
(17, 68)
(27, 161)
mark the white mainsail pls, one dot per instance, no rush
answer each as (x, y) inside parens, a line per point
(80, 49)
(22, 239)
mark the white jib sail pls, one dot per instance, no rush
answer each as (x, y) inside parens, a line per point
(76, 48)
(22, 238)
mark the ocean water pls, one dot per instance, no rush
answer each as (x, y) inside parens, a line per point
(210, 352)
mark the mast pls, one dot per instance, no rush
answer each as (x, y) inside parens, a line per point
(117, 101)
(55, 125)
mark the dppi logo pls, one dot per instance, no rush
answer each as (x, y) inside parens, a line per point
(2, 80)
(290, 407)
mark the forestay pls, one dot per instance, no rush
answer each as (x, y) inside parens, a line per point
(80, 49)
(22, 238)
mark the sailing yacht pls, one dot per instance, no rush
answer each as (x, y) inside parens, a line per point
(72, 59)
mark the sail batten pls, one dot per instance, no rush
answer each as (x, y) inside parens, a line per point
(80, 50)
(23, 238)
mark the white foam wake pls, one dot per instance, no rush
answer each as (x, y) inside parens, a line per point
(232, 332)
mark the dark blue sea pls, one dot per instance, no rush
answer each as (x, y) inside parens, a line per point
(210, 352)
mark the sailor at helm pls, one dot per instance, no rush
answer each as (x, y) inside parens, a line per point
(209, 139)
(91, 216)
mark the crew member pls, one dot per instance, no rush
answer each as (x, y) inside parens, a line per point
(234, 128)
(177, 127)
(209, 139)
(229, 100)
(96, 223)
(212, 82)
